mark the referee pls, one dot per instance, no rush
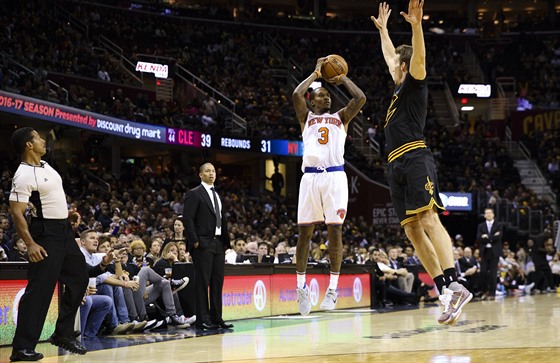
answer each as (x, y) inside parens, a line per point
(53, 252)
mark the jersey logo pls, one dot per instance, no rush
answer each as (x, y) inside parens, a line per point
(429, 186)
(46, 180)
(391, 110)
(341, 213)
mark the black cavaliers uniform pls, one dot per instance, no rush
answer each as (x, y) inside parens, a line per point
(411, 169)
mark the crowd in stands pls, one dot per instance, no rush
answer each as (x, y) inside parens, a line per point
(143, 215)
(237, 61)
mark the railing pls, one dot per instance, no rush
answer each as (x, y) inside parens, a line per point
(451, 104)
(453, 112)
(275, 48)
(7, 61)
(239, 124)
(71, 20)
(473, 65)
(97, 182)
(524, 219)
(117, 51)
(506, 87)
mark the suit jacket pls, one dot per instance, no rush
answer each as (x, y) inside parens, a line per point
(199, 219)
(494, 238)
(466, 263)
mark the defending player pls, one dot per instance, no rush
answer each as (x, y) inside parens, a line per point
(411, 168)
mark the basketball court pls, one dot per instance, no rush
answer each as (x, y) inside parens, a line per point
(513, 329)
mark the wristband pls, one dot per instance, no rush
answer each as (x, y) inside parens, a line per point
(317, 73)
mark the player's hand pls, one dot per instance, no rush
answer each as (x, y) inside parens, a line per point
(415, 12)
(336, 80)
(36, 252)
(381, 20)
(319, 66)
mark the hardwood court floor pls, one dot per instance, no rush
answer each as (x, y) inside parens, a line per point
(514, 329)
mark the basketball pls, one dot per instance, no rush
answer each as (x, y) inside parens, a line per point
(334, 66)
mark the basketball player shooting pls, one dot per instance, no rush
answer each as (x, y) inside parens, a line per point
(323, 193)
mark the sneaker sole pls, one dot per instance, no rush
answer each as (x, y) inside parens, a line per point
(325, 307)
(66, 346)
(454, 317)
(304, 313)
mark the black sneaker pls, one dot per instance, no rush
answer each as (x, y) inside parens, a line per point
(68, 343)
(27, 355)
(179, 284)
(175, 321)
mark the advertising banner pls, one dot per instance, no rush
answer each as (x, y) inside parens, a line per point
(246, 296)
(11, 292)
(60, 114)
(528, 122)
(265, 295)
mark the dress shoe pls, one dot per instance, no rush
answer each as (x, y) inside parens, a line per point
(26, 355)
(68, 343)
(207, 326)
(225, 325)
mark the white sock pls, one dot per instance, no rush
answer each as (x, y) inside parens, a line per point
(334, 280)
(300, 280)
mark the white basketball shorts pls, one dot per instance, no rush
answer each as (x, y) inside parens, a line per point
(323, 197)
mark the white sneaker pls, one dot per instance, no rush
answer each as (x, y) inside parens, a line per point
(527, 288)
(329, 302)
(190, 320)
(453, 302)
(138, 326)
(154, 324)
(303, 300)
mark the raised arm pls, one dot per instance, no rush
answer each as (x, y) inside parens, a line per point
(356, 103)
(298, 96)
(387, 47)
(418, 59)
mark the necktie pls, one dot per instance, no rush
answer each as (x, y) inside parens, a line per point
(217, 209)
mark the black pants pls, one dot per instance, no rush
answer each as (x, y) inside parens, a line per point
(209, 270)
(65, 262)
(489, 275)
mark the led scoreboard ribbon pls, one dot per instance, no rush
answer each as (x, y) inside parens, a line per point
(60, 114)
(264, 146)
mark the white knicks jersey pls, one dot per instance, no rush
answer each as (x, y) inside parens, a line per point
(323, 140)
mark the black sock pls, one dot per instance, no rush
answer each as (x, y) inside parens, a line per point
(450, 275)
(440, 283)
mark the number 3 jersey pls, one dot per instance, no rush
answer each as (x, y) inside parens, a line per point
(323, 140)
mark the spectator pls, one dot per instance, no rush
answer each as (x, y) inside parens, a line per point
(19, 252)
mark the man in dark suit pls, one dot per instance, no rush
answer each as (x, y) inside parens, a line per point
(469, 269)
(208, 238)
(489, 235)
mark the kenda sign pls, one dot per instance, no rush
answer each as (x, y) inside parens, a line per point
(160, 70)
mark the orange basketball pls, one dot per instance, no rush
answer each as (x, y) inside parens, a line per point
(334, 66)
